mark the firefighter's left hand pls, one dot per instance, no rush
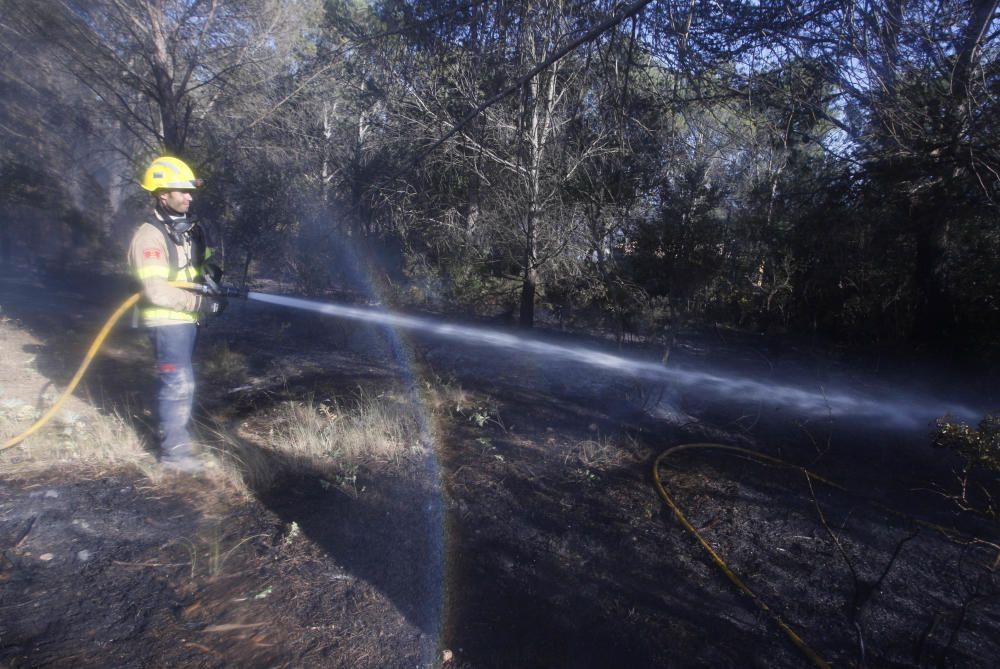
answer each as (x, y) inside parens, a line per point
(212, 286)
(213, 272)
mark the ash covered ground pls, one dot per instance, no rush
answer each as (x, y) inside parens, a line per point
(526, 533)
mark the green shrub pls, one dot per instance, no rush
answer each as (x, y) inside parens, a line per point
(979, 449)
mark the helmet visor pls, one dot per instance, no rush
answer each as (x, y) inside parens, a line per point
(190, 184)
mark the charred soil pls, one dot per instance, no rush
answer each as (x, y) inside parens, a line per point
(521, 530)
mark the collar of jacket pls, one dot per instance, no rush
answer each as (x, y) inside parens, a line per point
(177, 226)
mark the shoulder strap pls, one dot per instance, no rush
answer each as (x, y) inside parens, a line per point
(171, 247)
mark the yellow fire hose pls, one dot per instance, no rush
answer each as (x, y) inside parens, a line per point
(94, 348)
(717, 559)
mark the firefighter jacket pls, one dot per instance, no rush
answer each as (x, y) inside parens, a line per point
(157, 256)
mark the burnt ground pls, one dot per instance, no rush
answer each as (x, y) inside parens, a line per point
(528, 535)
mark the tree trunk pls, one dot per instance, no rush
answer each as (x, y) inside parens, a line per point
(542, 96)
(934, 321)
(528, 283)
(529, 280)
(246, 266)
(171, 122)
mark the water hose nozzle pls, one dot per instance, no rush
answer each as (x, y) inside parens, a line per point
(214, 289)
(232, 291)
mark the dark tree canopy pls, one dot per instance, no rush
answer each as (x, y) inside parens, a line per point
(827, 167)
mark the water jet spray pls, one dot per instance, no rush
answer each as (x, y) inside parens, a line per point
(902, 412)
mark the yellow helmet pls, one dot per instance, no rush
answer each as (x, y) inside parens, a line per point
(167, 173)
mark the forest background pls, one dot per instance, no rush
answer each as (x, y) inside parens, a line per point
(826, 168)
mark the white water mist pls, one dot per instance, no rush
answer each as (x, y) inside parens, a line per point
(902, 412)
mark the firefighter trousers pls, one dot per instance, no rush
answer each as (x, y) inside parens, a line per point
(173, 346)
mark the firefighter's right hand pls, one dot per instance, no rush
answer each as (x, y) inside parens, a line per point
(212, 305)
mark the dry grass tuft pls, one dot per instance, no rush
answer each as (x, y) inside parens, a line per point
(247, 466)
(601, 452)
(588, 458)
(443, 396)
(223, 365)
(300, 436)
(379, 428)
(330, 436)
(71, 440)
(78, 436)
(333, 436)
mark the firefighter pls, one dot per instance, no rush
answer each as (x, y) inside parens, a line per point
(170, 246)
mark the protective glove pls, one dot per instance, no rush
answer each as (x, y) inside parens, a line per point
(212, 305)
(212, 272)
